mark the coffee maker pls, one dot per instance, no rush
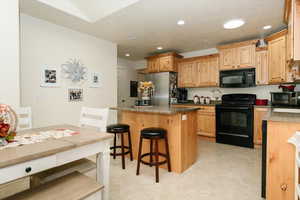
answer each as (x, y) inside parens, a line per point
(182, 95)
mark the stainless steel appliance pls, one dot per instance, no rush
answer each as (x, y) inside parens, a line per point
(285, 98)
(237, 78)
(234, 120)
(165, 87)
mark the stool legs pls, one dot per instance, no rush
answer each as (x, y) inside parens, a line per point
(130, 145)
(115, 144)
(168, 154)
(139, 156)
(151, 152)
(123, 151)
(156, 161)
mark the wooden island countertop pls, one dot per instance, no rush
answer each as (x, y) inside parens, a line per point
(181, 126)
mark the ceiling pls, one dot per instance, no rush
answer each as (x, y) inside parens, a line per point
(140, 26)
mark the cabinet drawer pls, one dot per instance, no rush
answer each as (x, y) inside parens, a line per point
(27, 168)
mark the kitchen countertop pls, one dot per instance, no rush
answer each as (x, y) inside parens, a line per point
(155, 109)
(191, 103)
(282, 117)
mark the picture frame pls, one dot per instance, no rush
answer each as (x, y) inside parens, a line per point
(75, 94)
(95, 80)
(50, 77)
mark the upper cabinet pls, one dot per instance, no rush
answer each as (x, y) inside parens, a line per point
(199, 71)
(277, 57)
(166, 62)
(262, 67)
(292, 18)
(237, 55)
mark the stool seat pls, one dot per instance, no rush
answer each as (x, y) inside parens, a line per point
(117, 128)
(153, 132)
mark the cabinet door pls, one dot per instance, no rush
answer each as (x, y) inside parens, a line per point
(213, 71)
(262, 68)
(153, 65)
(228, 59)
(166, 64)
(259, 114)
(246, 56)
(186, 74)
(206, 125)
(203, 72)
(277, 60)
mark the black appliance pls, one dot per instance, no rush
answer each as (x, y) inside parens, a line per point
(264, 160)
(235, 120)
(182, 95)
(237, 78)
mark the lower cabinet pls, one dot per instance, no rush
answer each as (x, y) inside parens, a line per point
(259, 114)
(206, 119)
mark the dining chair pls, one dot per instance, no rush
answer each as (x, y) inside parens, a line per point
(94, 117)
(24, 115)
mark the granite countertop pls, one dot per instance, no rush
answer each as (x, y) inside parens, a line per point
(282, 117)
(155, 109)
(191, 103)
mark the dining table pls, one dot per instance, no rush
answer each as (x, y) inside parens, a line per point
(29, 159)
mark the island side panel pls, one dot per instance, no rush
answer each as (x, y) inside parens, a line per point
(281, 160)
(179, 144)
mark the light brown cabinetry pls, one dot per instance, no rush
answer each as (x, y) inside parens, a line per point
(206, 119)
(259, 114)
(292, 18)
(199, 71)
(237, 55)
(262, 71)
(166, 62)
(277, 57)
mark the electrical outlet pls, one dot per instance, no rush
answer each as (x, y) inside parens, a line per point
(184, 117)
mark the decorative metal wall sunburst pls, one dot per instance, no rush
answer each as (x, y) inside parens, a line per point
(74, 70)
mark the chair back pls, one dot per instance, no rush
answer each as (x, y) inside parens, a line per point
(24, 118)
(94, 117)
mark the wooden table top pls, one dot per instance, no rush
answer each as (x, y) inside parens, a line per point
(15, 155)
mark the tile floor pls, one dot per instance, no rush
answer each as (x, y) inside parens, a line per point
(222, 172)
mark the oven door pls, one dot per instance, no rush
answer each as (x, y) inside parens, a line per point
(235, 125)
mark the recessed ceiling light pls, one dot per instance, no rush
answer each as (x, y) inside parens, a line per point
(159, 48)
(267, 27)
(127, 54)
(181, 22)
(235, 23)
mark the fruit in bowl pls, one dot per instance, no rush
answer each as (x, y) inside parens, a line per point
(8, 124)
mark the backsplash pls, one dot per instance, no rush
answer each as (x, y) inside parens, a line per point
(262, 92)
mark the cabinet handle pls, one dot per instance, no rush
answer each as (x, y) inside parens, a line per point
(283, 187)
(28, 169)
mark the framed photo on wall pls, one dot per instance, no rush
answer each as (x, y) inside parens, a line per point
(75, 94)
(50, 77)
(95, 80)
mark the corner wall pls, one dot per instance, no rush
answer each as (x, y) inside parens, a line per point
(47, 44)
(9, 57)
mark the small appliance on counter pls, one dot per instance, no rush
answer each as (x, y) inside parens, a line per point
(261, 102)
(182, 95)
(288, 99)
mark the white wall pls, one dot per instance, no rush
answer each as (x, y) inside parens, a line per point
(9, 56)
(46, 44)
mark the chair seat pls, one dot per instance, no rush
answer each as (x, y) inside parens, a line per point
(153, 132)
(117, 128)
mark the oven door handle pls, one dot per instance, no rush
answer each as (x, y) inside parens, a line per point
(234, 108)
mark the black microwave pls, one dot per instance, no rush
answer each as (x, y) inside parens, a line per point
(242, 78)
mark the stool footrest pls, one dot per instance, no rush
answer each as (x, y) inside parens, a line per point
(153, 163)
(120, 154)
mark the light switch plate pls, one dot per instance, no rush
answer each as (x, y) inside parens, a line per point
(184, 117)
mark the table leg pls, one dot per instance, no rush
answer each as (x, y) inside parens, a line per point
(103, 172)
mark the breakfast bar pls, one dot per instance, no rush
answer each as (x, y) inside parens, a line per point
(180, 124)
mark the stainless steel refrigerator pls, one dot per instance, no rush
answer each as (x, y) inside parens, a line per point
(165, 87)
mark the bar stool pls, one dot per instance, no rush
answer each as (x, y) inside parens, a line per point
(154, 135)
(120, 129)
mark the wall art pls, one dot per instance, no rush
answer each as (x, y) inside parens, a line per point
(75, 94)
(74, 70)
(50, 77)
(95, 80)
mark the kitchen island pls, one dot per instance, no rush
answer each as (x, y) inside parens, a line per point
(179, 122)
